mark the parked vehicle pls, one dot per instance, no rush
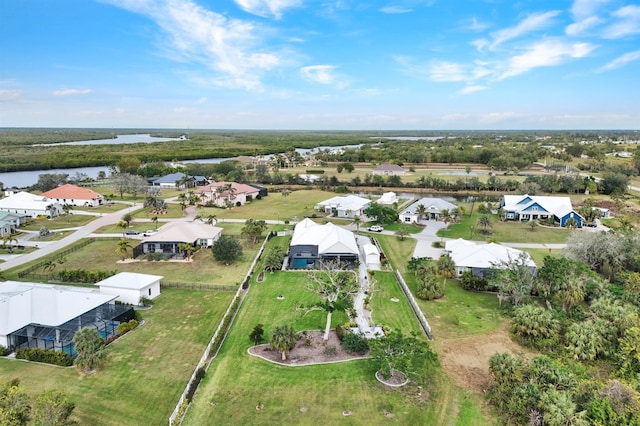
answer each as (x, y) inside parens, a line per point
(376, 228)
(149, 232)
(132, 232)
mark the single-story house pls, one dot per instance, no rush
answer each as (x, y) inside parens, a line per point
(48, 316)
(166, 241)
(432, 208)
(75, 196)
(481, 258)
(344, 206)
(130, 287)
(262, 191)
(312, 242)
(223, 193)
(179, 180)
(371, 256)
(387, 169)
(388, 198)
(30, 205)
(11, 191)
(533, 207)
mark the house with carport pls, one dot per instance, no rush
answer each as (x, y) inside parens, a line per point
(166, 242)
(432, 208)
(538, 207)
(480, 258)
(346, 206)
(313, 243)
(75, 196)
(130, 287)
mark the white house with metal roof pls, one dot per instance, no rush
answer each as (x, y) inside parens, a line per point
(312, 242)
(130, 287)
(344, 206)
(480, 258)
(30, 205)
(534, 207)
(433, 208)
(172, 234)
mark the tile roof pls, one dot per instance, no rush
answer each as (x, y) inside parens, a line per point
(72, 192)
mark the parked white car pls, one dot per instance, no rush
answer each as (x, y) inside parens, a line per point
(149, 232)
(376, 228)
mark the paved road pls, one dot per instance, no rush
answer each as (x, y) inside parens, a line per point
(81, 232)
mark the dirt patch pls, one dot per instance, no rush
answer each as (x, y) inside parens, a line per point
(311, 350)
(466, 359)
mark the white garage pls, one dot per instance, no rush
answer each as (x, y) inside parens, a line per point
(130, 287)
(371, 256)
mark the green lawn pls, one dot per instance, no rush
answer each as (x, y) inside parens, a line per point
(203, 269)
(147, 369)
(510, 231)
(59, 222)
(539, 254)
(275, 206)
(237, 382)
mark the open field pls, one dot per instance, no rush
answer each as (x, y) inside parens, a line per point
(275, 206)
(59, 222)
(237, 382)
(147, 369)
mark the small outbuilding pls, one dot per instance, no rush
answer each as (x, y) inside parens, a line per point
(371, 256)
(130, 287)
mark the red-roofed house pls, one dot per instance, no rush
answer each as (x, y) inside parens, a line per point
(223, 193)
(75, 196)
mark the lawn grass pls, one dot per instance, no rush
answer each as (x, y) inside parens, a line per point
(203, 269)
(59, 222)
(237, 382)
(509, 231)
(147, 369)
(173, 211)
(396, 250)
(538, 255)
(299, 204)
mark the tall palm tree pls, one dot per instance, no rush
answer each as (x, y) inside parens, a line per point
(123, 248)
(484, 222)
(357, 221)
(154, 219)
(446, 268)
(421, 210)
(187, 249)
(124, 225)
(10, 238)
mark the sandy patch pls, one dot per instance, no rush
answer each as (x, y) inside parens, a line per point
(466, 359)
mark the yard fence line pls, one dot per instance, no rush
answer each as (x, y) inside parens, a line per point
(216, 340)
(424, 324)
(199, 286)
(57, 256)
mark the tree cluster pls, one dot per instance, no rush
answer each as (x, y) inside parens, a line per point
(50, 408)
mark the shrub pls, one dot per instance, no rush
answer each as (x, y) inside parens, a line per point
(123, 328)
(47, 356)
(4, 351)
(315, 171)
(200, 372)
(437, 244)
(340, 332)
(355, 343)
(132, 324)
(330, 350)
(258, 197)
(469, 282)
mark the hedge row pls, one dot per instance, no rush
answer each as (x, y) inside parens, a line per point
(47, 356)
(83, 275)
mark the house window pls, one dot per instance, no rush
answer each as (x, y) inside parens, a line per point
(407, 219)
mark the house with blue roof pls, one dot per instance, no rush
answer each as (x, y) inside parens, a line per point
(537, 207)
(179, 180)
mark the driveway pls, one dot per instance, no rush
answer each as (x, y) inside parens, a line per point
(426, 238)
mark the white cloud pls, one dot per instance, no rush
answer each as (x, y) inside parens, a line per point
(9, 95)
(202, 100)
(545, 54)
(472, 89)
(580, 27)
(267, 8)
(322, 74)
(71, 92)
(395, 10)
(531, 23)
(474, 25)
(228, 47)
(621, 61)
(628, 23)
(582, 9)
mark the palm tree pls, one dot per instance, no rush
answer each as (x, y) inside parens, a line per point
(124, 225)
(484, 222)
(357, 221)
(283, 339)
(572, 290)
(154, 219)
(123, 248)
(446, 268)
(187, 249)
(421, 210)
(10, 238)
(212, 219)
(66, 208)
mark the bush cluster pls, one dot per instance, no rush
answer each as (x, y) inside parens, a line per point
(200, 372)
(47, 356)
(125, 327)
(4, 351)
(470, 282)
(83, 275)
(355, 343)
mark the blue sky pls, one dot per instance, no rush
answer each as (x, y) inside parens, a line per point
(320, 64)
